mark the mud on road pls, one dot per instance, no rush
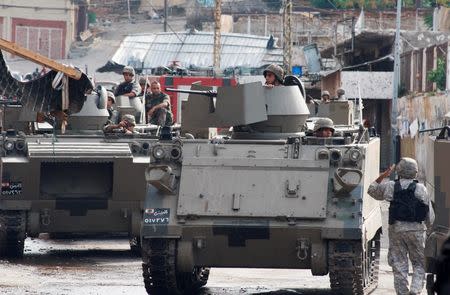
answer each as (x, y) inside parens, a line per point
(106, 266)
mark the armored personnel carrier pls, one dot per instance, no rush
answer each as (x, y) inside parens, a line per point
(80, 181)
(268, 197)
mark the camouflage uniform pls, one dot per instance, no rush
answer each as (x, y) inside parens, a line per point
(162, 116)
(406, 238)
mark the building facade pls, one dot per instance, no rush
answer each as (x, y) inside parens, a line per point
(47, 27)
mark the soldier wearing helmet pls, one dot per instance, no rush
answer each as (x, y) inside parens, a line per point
(129, 87)
(145, 85)
(341, 94)
(324, 127)
(274, 75)
(113, 117)
(410, 215)
(126, 125)
(326, 96)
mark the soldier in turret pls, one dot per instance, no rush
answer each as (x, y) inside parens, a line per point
(325, 96)
(324, 127)
(129, 87)
(410, 214)
(113, 117)
(157, 106)
(340, 94)
(274, 75)
(126, 125)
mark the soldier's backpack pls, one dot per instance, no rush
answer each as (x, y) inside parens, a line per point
(405, 206)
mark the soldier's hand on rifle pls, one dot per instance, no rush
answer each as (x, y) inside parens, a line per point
(385, 174)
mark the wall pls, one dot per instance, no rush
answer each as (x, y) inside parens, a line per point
(374, 85)
(319, 27)
(415, 66)
(40, 13)
(424, 112)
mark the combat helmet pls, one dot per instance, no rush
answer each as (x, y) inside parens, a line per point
(407, 168)
(111, 95)
(143, 80)
(323, 123)
(128, 69)
(130, 119)
(276, 70)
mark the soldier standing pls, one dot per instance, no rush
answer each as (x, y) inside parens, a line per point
(157, 106)
(274, 75)
(410, 214)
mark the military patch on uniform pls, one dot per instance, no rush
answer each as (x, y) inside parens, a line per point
(157, 216)
(11, 188)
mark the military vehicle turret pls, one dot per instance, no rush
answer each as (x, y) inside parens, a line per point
(268, 197)
(70, 178)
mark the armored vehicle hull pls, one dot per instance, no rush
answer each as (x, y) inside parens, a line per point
(269, 197)
(268, 204)
(70, 184)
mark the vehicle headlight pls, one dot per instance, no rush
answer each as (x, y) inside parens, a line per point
(322, 154)
(158, 152)
(335, 155)
(135, 147)
(9, 145)
(355, 155)
(175, 153)
(20, 145)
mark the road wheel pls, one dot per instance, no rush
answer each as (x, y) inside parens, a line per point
(159, 270)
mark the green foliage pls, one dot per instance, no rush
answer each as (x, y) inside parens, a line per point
(358, 4)
(438, 75)
(273, 4)
(324, 4)
(428, 20)
(92, 17)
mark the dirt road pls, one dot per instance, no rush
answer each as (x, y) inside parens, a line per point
(106, 266)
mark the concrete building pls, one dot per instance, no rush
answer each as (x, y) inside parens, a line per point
(44, 26)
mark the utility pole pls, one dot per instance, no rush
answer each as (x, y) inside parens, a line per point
(217, 28)
(287, 36)
(394, 112)
(129, 12)
(165, 15)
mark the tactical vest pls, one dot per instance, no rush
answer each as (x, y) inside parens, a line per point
(406, 206)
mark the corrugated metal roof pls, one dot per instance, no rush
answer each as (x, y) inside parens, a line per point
(195, 49)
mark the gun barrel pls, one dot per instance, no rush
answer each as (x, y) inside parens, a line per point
(431, 129)
(210, 93)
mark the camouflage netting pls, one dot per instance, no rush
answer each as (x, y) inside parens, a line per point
(38, 95)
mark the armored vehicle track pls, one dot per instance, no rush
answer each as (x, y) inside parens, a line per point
(159, 270)
(12, 233)
(354, 270)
